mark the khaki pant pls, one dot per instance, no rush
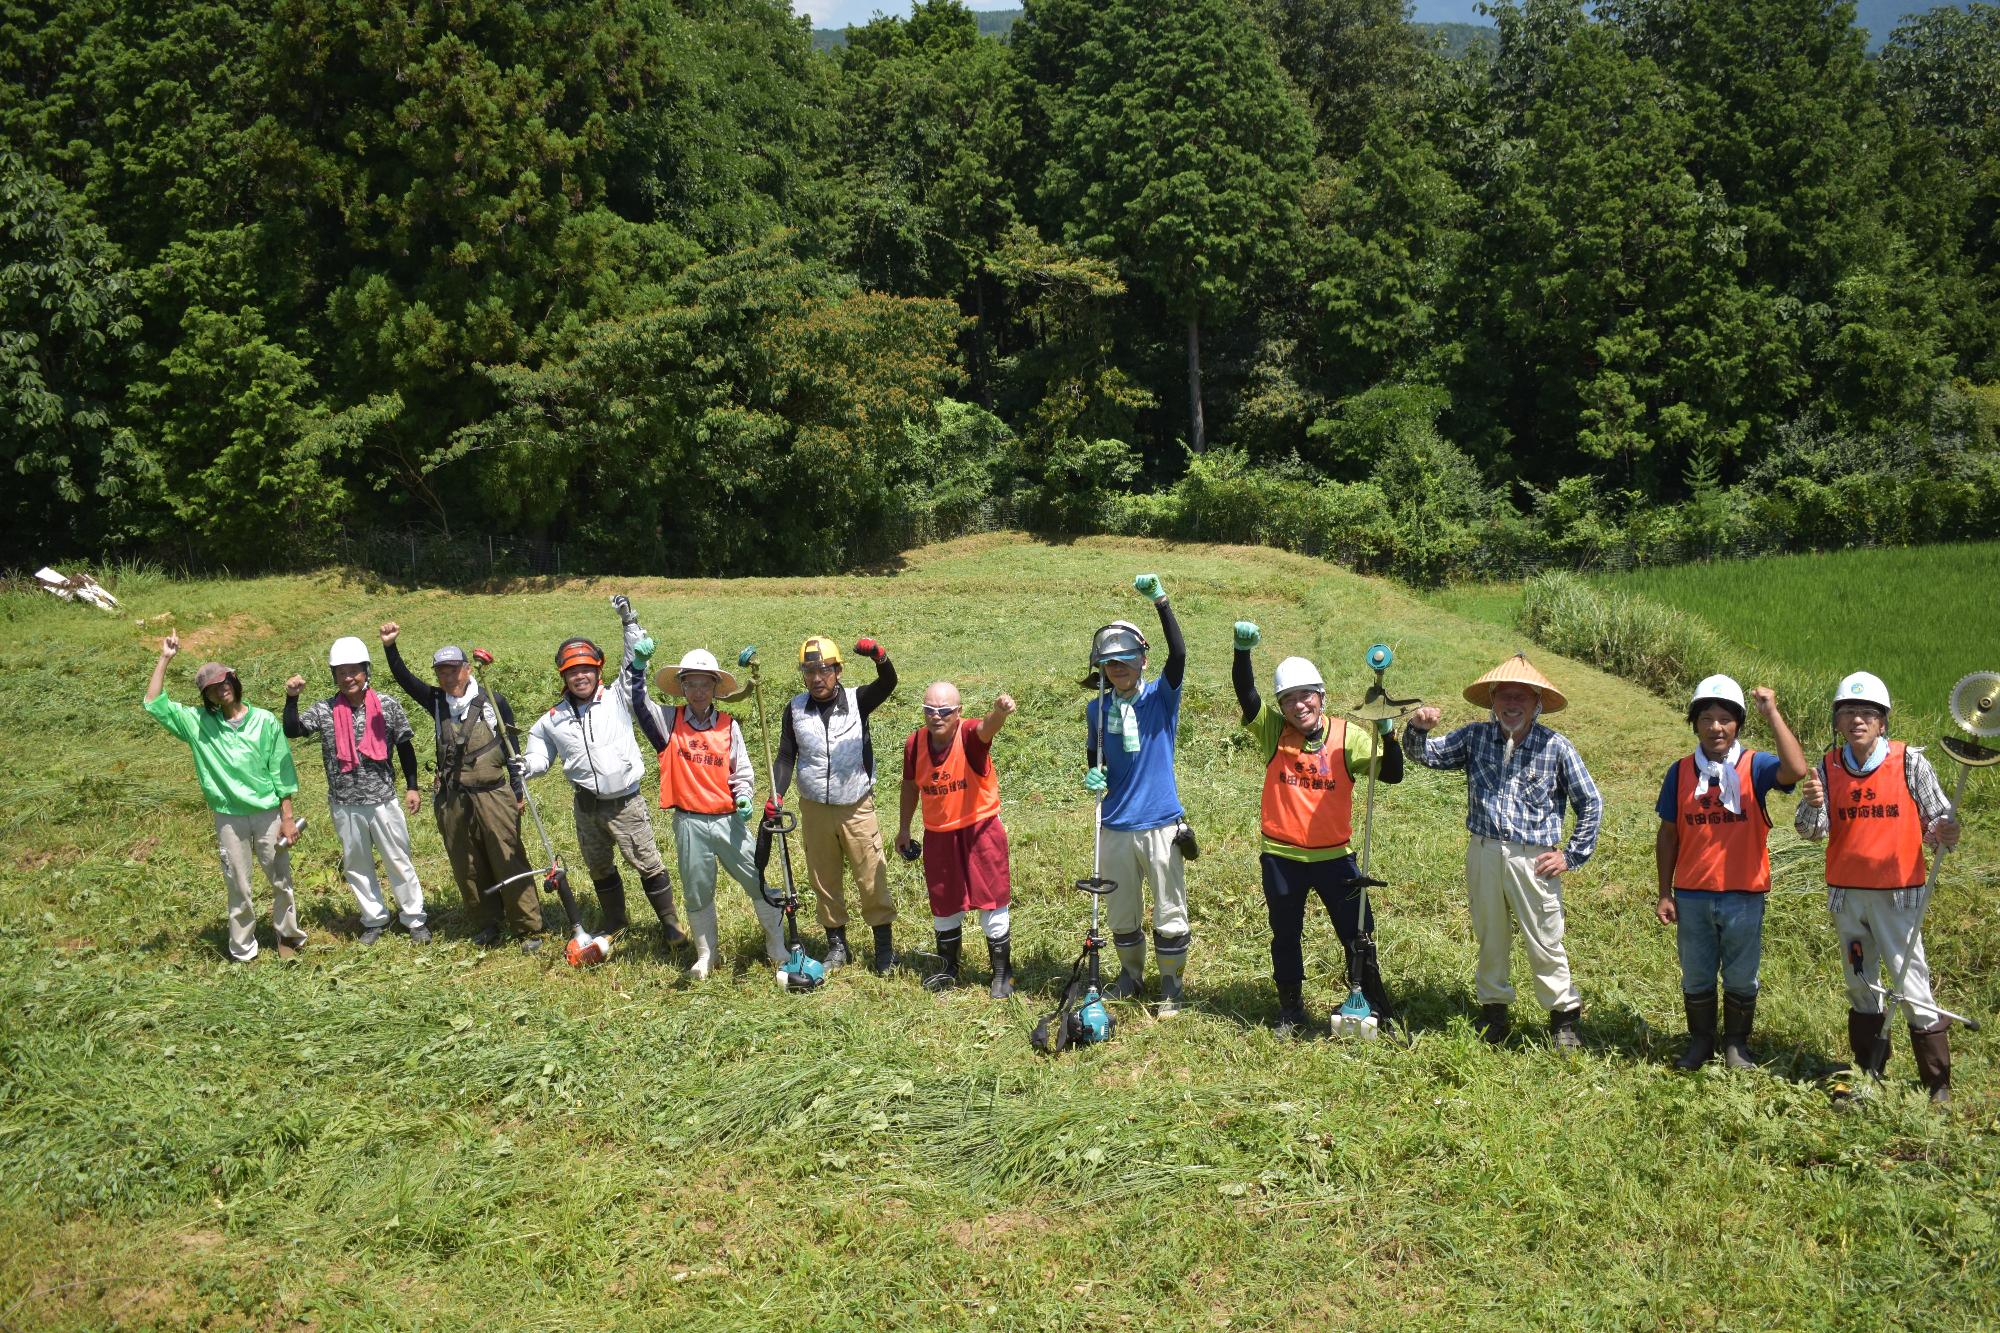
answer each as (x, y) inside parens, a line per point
(365, 830)
(240, 839)
(482, 840)
(838, 836)
(1133, 859)
(1500, 879)
(608, 828)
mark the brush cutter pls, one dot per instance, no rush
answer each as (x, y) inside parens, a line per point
(1367, 1005)
(800, 971)
(1081, 1017)
(584, 949)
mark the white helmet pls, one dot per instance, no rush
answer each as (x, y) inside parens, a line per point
(1717, 690)
(1296, 673)
(1862, 687)
(349, 651)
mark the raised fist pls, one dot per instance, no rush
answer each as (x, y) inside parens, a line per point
(293, 686)
(389, 631)
(1149, 587)
(1004, 705)
(1247, 635)
(624, 607)
(871, 650)
(1766, 700)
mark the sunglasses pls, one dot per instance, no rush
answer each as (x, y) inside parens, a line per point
(940, 710)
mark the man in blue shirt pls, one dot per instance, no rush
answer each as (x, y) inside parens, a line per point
(1519, 775)
(1143, 822)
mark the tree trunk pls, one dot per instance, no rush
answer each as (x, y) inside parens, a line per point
(1197, 432)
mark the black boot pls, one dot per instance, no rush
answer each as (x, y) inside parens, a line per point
(1701, 1030)
(1000, 957)
(610, 904)
(885, 950)
(1562, 1029)
(1739, 1015)
(1932, 1048)
(836, 948)
(1365, 970)
(1864, 1033)
(1292, 1017)
(659, 891)
(1494, 1023)
(949, 943)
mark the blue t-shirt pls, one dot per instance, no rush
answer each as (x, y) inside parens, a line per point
(1142, 792)
(1763, 777)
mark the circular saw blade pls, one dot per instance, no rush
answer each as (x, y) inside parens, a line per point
(1975, 703)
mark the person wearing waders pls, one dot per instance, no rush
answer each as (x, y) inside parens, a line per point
(1519, 775)
(1714, 863)
(356, 726)
(246, 776)
(707, 781)
(1311, 763)
(479, 794)
(948, 770)
(825, 738)
(1145, 830)
(1876, 802)
(590, 731)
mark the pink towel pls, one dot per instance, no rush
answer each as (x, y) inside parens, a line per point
(375, 735)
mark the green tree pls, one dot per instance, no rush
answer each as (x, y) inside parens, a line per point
(1354, 61)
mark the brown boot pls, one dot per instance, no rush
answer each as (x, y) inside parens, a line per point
(1863, 1032)
(1932, 1047)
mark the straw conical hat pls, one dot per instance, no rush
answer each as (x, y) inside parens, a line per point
(1516, 670)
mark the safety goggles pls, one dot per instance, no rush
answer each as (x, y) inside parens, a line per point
(819, 669)
(940, 710)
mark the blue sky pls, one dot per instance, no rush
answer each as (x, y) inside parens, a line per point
(841, 13)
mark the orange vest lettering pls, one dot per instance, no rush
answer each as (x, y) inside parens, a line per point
(954, 795)
(694, 768)
(1874, 831)
(1719, 851)
(1309, 798)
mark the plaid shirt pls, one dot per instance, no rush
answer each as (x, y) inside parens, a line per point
(1522, 801)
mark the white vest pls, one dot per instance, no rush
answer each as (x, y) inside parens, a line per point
(835, 763)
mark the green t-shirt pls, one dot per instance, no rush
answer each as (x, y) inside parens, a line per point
(1265, 729)
(244, 767)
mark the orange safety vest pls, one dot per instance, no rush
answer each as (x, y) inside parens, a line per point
(1719, 851)
(694, 768)
(954, 795)
(1309, 798)
(1875, 833)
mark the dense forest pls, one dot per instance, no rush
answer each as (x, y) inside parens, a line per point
(660, 279)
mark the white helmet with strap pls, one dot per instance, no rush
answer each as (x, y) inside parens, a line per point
(1296, 673)
(349, 651)
(1717, 689)
(1862, 687)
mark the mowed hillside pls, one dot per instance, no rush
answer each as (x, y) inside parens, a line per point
(393, 1137)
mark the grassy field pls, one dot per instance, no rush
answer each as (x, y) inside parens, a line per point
(394, 1138)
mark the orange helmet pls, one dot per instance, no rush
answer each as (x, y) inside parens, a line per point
(578, 652)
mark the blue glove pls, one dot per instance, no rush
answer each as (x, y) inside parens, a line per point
(1095, 782)
(743, 809)
(1247, 636)
(1387, 726)
(1149, 587)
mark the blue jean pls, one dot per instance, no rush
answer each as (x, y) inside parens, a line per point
(1719, 930)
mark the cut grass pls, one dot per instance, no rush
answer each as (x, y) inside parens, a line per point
(441, 1138)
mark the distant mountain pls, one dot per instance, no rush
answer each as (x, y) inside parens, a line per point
(1879, 18)
(1458, 37)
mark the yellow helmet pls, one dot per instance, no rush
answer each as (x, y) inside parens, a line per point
(819, 651)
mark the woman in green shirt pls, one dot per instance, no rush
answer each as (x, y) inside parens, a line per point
(245, 770)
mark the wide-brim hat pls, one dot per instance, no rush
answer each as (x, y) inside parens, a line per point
(1516, 670)
(667, 680)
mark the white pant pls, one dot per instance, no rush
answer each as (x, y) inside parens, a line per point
(240, 839)
(365, 830)
(1131, 857)
(993, 922)
(1888, 924)
(1500, 878)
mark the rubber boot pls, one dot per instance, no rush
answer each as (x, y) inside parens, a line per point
(1863, 1031)
(1131, 978)
(1292, 1018)
(1739, 1015)
(610, 904)
(1171, 952)
(949, 943)
(1494, 1023)
(1932, 1048)
(885, 950)
(1000, 957)
(707, 946)
(1701, 1030)
(836, 948)
(1562, 1029)
(659, 891)
(773, 922)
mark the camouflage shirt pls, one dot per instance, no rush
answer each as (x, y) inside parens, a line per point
(373, 781)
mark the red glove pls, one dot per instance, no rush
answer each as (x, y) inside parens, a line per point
(771, 808)
(871, 650)
(481, 656)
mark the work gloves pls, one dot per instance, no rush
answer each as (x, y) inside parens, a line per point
(1149, 587)
(1247, 636)
(743, 809)
(771, 808)
(1095, 782)
(871, 650)
(642, 651)
(626, 616)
